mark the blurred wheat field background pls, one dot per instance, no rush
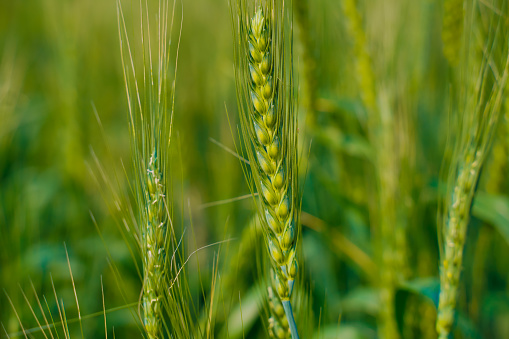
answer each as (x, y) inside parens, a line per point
(394, 186)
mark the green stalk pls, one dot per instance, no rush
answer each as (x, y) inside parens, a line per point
(390, 239)
(291, 321)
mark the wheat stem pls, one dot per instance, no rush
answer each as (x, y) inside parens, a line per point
(291, 321)
(381, 126)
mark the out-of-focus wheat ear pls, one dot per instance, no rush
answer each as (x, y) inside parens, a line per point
(452, 29)
(390, 239)
(496, 182)
(364, 68)
(309, 60)
(485, 79)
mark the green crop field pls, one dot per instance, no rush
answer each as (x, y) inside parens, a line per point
(244, 169)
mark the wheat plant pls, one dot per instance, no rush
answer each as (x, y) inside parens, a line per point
(151, 108)
(266, 104)
(384, 127)
(483, 75)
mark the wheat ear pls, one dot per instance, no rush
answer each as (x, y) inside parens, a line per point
(310, 62)
(278, 324)
(151, 107)
(496, 182)
(154, 241)
(269, 131)
(391, 237)
(484, 78)
(363, 65)
(452, 29)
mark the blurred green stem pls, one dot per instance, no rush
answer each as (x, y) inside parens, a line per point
(342, 245)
